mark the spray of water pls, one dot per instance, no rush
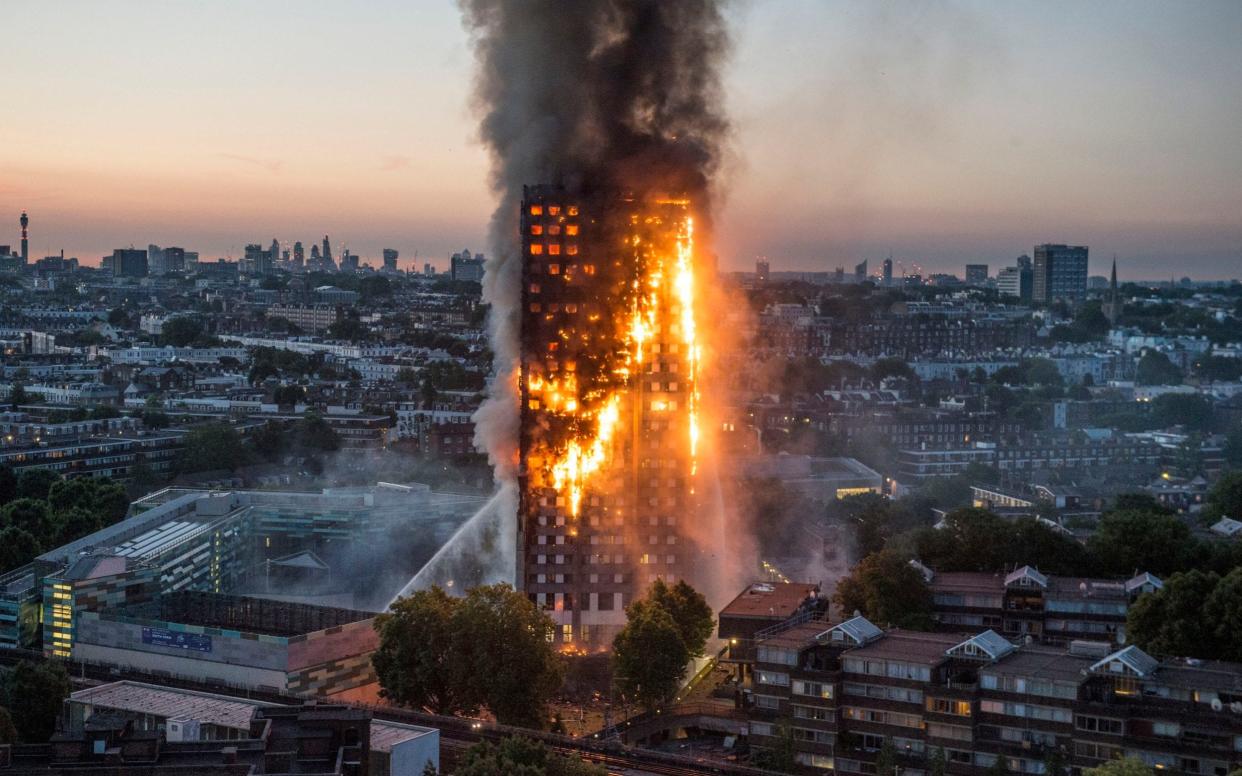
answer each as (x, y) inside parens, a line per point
(481, 551)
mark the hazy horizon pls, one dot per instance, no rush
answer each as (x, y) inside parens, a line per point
(939, 133)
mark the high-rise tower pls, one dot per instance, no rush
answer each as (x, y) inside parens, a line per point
(609, 403)
(25, 222)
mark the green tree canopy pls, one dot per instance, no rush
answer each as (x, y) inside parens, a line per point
(35, 483)
(1225, 497)
(649, 656)
(689, 610)
(8, 484)
(453, 655)
(8, 731)
(28, 514)
(517, 756)
(887, 590)
(1128, 541)
(416, 662)
(17, 548)
(211, 447)
(1129, 766)
(182, 330)
(1170, 621)
(1155, 368)
(39, 690)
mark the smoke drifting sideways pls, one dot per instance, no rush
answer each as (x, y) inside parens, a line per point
(593, 95)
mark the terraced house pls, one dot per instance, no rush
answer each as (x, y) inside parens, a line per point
(844, 693)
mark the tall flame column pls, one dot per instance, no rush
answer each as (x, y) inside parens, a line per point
(609, 415)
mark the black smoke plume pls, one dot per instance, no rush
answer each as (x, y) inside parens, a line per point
(594, 95)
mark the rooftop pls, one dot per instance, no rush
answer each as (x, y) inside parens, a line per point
(910, 646)
(774, 600)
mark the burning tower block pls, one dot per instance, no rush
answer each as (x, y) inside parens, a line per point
(609, 405)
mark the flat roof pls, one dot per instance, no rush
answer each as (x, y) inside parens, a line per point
(910, 646)
(1042, 663)
(222, 710)
(770, 600)
(968, 581)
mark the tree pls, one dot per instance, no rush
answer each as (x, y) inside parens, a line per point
(782, 757)
(211, 447)
(689, 610)
(504, 640)
(1155, 368)
(518, 756)
(649, 656)
(938, 762)
(100, 496)
(73, 524)
(154, 419)
(181, 331)
(17, 548)
(1129, 766)
(1225, 497)
(1171, 621)
(39, 690)
(416, 662)
(887, 590)
(8, 484)
(1055, 762)
(35, 483)
(453, 655)
(314, 433)
(1223, 612)
(885, 368)
(1130, 541)
(1182, 409)
(886, 758)
(8, 732)
(1218, 369)
(288, 395)
(29, 515)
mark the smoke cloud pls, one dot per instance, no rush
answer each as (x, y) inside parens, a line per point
(594, 95)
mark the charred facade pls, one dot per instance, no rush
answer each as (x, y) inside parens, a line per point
(608, 390)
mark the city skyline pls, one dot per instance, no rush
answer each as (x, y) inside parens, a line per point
(941, 135)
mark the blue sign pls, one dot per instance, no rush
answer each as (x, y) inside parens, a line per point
(166, 638)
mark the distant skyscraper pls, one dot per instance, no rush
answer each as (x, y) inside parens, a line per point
(1016, 280)
(25, 222)
(349, 262)
(1060, 273)
(464, 266)
(325, 255)
(275, 250)
(860, 271)
(155, 260)
(888, 271)
(299, 255)
(390, 259)
(429, 270)
(316, 261)
(976, 274)
(761, 271)
(129, 263)
(174, 260)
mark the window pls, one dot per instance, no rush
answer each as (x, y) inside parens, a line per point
(536, 249)
(949, 706)
(768, 702)
(818, 713)
(536, 229)
(811, 736)
(773, 678)
(536, 210)
(1104, 725)
(760, 728)
(813, 689)
(951, 732)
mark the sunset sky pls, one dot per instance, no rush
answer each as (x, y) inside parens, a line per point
(941, 133)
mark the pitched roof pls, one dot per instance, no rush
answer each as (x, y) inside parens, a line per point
(989, 644)
(1025, 576)
(1131, 659)
(1142, 580)
(858, 629)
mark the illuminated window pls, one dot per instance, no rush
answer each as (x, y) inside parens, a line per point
(572, 210)
(571, 229)
(534, 288)
(535, 307)
(536, 210)
(536, 229)
(534, 404)
(572, 250)
(554, 249)
(554, 210)
(587, 268)
(554, 229)
(554, 269)
(536, 249)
